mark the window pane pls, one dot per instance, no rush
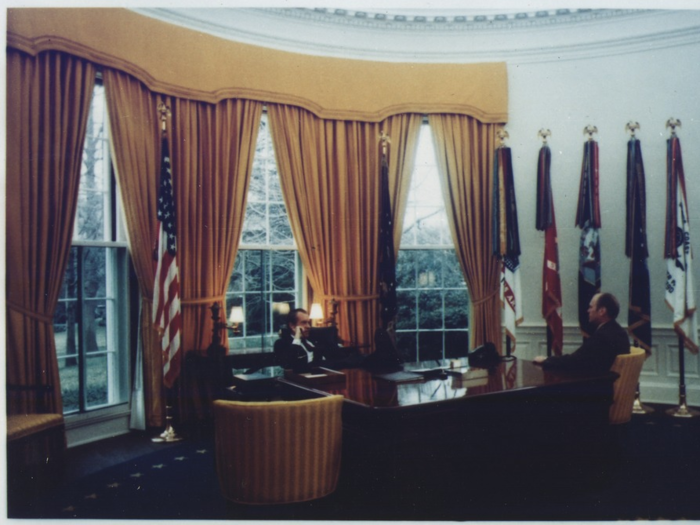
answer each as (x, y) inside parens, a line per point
(255, 224)
(70, 388)
(283, 266)
(456, 309)
(430, 310)
(407, 344)
(433, 302)
(97, 380)
(280, 230)
(253, 271)
(93, 221)
(430, 346)
(267, 272)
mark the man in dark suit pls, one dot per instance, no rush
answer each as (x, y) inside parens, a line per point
(293, 349)
(599, 351)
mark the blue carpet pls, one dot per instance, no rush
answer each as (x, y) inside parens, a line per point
(654, 477)
(176, 483)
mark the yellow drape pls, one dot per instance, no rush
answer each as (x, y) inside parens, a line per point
(134, 130)
(181, 62)
(464, 149)
(48, 101)
(329, 171)
(212, 149)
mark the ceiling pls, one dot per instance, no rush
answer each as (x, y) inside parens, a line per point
(444, 34)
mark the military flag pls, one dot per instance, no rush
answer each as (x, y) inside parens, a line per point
(506, 241)
(551, 281)
(588, 219)
(680, 296)
(166, 288)
(639, 314)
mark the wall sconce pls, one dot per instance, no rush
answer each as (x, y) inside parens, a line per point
(316, 314)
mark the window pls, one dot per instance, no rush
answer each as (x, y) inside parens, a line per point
(266, 278)
(432, 321)
(91, 318)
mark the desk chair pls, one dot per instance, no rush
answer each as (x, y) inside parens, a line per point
(629, 367)
(278, 452)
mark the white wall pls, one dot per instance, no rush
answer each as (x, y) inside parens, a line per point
(564, 96)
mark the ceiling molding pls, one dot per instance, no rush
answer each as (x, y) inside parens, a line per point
(515, 37)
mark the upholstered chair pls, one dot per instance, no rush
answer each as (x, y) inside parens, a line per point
(278, 452)
(629, 367)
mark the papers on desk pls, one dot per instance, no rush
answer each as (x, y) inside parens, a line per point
(316, 376)
(400, 377)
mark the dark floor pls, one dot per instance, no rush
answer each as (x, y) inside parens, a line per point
(653, 477)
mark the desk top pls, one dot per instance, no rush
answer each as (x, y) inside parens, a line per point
(371, 390)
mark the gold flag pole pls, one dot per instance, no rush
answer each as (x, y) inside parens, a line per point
(168, 435)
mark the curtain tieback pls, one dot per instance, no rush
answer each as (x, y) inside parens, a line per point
(347, 298)
(203, 300)
(486, 298)
(34, 315)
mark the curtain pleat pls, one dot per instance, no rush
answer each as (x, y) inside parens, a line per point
(134, 131)
(329, 173)
(464, 149)
(212, 149)
(48, 101)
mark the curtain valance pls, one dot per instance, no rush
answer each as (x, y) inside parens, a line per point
(185, 63)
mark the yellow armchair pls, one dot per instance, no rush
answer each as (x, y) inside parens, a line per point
(629, 367)
(278, 452)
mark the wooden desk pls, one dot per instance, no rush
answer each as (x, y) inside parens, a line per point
(500, 425)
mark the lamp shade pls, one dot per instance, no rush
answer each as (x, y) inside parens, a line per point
(236, 316)
(316, 313)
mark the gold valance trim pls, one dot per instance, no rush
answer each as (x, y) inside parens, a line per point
(177, 61)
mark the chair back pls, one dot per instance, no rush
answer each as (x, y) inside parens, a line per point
(629, 367)
(279, 451)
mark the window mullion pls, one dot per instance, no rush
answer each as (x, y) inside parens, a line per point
(82, 401)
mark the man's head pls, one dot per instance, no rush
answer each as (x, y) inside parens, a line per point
(300, 318)
(603, 307)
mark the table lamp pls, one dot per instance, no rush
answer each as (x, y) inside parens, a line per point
(316, 313)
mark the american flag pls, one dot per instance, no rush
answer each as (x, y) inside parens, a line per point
(166, 289)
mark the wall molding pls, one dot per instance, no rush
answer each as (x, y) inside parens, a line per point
(519, 37)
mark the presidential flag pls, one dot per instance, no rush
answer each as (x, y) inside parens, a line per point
(166, 289)
(588, 219)
(639, 314)
(387, 258)
(551, 281)
(680, 296)
(506, 241)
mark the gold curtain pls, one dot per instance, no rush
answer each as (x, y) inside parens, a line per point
(464, 149)
(48, 101)
(329, 172)
(135, 148)
(212, 150)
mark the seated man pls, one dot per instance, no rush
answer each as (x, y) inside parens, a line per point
(599, 351)
(293, 349)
